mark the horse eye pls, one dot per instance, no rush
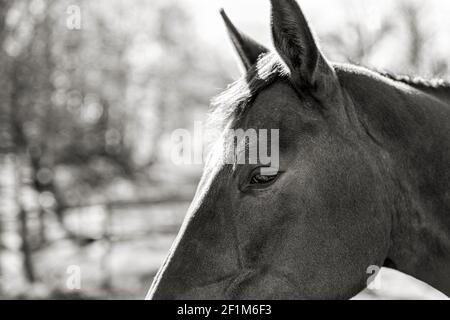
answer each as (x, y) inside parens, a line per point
(262, 179)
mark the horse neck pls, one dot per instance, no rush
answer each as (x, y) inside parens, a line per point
(413, 126)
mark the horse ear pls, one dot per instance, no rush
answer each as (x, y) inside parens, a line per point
(295, 43)
(248, 49)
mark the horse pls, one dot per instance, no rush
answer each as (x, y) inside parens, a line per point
(363, 179)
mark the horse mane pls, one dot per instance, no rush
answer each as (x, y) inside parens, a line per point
(417, 82)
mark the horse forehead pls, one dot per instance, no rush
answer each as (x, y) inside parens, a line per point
(271, 106)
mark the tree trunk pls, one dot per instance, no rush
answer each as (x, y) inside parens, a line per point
(27, 261)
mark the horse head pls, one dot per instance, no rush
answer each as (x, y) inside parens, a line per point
(308, 225)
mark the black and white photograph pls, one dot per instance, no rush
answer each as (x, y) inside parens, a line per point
(224, 150)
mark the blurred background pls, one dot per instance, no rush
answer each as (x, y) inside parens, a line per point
(90, 94)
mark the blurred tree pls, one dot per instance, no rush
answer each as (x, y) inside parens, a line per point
(178, 78)
(5, 138)
(422, 60)
(417, 38)
(52, 116)
(61, 118)
(363, 43)
(401, 30)
(64, 112)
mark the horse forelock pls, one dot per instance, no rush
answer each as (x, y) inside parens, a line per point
(230, 105)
